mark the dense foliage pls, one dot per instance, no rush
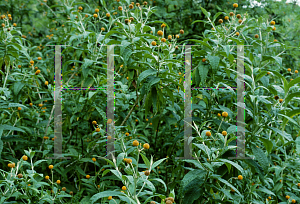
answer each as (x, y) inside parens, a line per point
(149, 75)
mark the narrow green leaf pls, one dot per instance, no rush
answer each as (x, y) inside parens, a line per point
(290, 114)
(268, 192)
(80, 171)
(157, 163)
(293, 82)
(207, 14)
(97, 196)
(38, 162)
(290, 119)
(117, 174)
(200, 21)
(216, 16)
(283, 133)
(146, 161)
(260, 75)
(229, 185)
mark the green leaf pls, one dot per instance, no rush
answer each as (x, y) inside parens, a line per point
(103, 3)
(102, 113)
(229, 185)
(261, 157)
(80, 170)
(260, 75)
(148, 103)
(9, 127)
(152, 81)
(263, 189)
(278, 60)
(145, 74)
(201, 42)
(170, 94)
(293, 82)
(124, 44)
(216, 16)
(236, 165)
(195, 162)
(149, 184)
(267, 143)
(285, 83)
(172, 194)
(203, 71)
(151, 57)
(227, 194)
(149, 36)
(97, 196)
(207, 14)
(117, 174)
(192, 191)
(91, 94)
(196, 76)
(64, 196)
(17, 87)
(203, 147)
(86, 64)
(157, 163)
(38, 162)
(10, 105)
(290, 97)
(190, 176)
(200, 21)
(283, 133)
(114, 32)
(290, 114)
(226, 49)
(256, 168)
(213, 61)
(290, 119)
(88, 82)
(232, 129)
(146, 161)
(126, 56)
